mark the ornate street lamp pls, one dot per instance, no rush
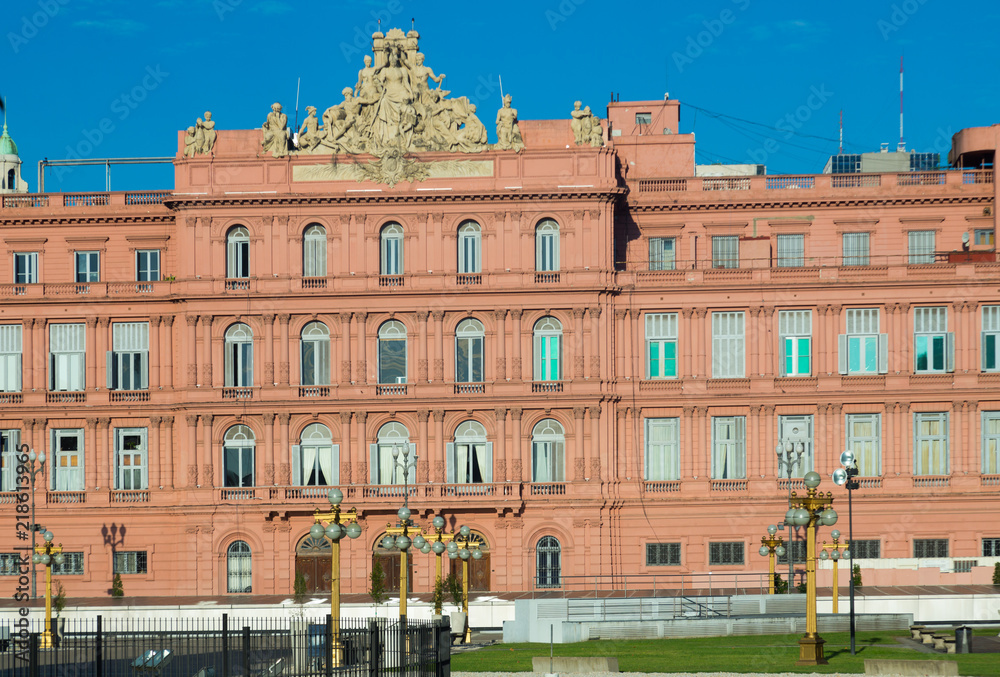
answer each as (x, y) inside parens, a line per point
(459, 548)
(812, 510)
(337, 525)
(835, 551)
(33, 471)
(405, 533)
(769, 547)
(47, 555)
(845, 477)
(789, 454)
(437, 543)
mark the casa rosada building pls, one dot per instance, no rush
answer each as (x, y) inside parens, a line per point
(591, 352)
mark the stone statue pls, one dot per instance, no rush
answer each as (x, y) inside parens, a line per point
(208, 133)
(508, 133)
(596, 132)
(367, 89)
(309, 131)
(275, 130)
(190, 142)
(586, 126)
(394, 117)
(472, 137)
(421, 74)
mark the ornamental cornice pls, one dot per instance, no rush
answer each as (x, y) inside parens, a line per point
(88, 220)
(674, 207)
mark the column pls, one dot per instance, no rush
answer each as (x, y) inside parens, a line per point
(167, 458)
(595, 443)
(363, 475)
(345, 346)
(702, 444)
(92, 472)
(905, 337)
(833, 344)
(579, 432)
(579, 345)
(270, 477)
(269, 379)
(686, 347)
(957, 325)
(154, 353)
(970, 336)
(500, 317)
(362, 370)
(621, 347)
(595, 343)
(440, 476)
(27, 360)
(167, 365)
(438, 316)
(422, 365)
(821, 338)
(500, 446)
(189, 456)
(515, 367)
(629, 344)
(755, 444)
(768, 339)
(890, 441)
(153, 467)
(208, 453)
(770, 425)
(701, 345)
(283, 350)
(957, 445)
(93, 350)
(752, 337)
(206, 352)
(687, 445)
(514, 470)
(424, 450)
(105, 457)
(346, 453)
(283, 462)
(623, 461)
(973, 463)
(904, 452)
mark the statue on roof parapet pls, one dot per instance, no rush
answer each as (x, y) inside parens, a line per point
(586, 126)
(199, 139)
(276, 134)
(508, 132)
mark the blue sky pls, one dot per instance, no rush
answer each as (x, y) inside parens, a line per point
(117, 78)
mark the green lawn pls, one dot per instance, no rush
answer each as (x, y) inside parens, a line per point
(764, 653)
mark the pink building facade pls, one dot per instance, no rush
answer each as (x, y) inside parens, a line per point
(592, 353)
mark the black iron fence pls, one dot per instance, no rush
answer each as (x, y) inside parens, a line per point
(227, 647)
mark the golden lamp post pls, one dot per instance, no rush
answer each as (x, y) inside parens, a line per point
(460, 548)
(48, 554)
(810, 511)
(437, 543)
(835, 551)
(334, 525)
(770, 546)
(401, 537)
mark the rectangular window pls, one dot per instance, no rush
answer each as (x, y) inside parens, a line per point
(933, 344)
(791, 251)
(67, 357)
(991, 547)
(930, 547)
(26, 268)
(469, 359)
(728, 358)
(547, 356)
(984, 237)
(795, 342)
(470, 461)
(9, 442)
(864, 438)
(130, 459)
(930, 443)
(130, 562)
(921, 247)
(990, 338)
(661, 345)
(469, 241)
(797, 549)
(725, 251)
(128, 361)
(67, 461)
(725, 553)
(663, 458)
(797, 430)
(643, 118)
(72, 565)
(729, 447)
(856, 249)
(661, 253)
(663, 554)
(88, 266)
(991, 443)
(11, 564)
(866, 549)
(10, 358)
(147, 265)
(315, 463)
(863, 350)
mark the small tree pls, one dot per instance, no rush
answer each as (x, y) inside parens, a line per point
(455, 588)
(299, 588)
(59, 601)
(437, 598)
(996, 574)
(377, 579)
(117, 589)
(780, 586)
(856, 575)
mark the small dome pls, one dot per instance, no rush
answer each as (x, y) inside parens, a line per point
(7, 145)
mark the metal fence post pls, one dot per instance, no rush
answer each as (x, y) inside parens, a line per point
(99, 650)
(374, 648)
(33, 655)
(329, 645)
(246, 651)
(225, 645)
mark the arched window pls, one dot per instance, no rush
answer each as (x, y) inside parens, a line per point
(548, 451)
(239, 568)
(11, 179)
(392, 249)
(470, 248)
(238, 457)
(547, 246)
(314, 251)
(548, 563)
(469, 351)
(392, 352)
(316, 460)
(392, 439)
(470, 456)
(547, 350)
(315, 355)
(239, 356)
(238, 252)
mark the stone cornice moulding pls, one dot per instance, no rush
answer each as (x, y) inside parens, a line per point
(791, 226)
(922, 219)
(93, 241)
(810, 205)
(658, 229)
(64, 220)
(147, 238)
(726, 228)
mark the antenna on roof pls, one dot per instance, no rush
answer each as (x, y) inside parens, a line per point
(411, 23)
(500, 78)
(840, 149)
(295, 130)
(902, 144)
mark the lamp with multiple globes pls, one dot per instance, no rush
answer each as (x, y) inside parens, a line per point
(770, 546)
(844, 477)
(48, 554)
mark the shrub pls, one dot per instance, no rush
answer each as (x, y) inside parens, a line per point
(59, 600)
(996, 574)
(299, 588)
(117, 589)
(455, 588)
(780, 586)
(856, 576)
(377, 590)
(437, 597)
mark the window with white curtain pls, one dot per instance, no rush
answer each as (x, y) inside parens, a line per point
(9, 442)
(930, 443)
(991, 443)
(728, 345)
(239, 356)
(795, 342)
(791, 251)
(548, 451)
(314, 251)
(470, 456)
(315, 354)
(547, 348)
(316, 459)
(864, 438)
(729, 459)
(10, 358)
(661, 253)
(128, 359)
(725, 251)
(797, 430)
(921, 246)
(131, 460)
(990, 338)
(238, 253)
(469, 248)
(392, 438)
(663, 459)
(67, 357)
(67, 460)
(391, 241)
(239, 568)
(933, 344)
(856, 249)
(238, 450)
(661, 345)
(547, 246)
(392, 353)
(469, 337)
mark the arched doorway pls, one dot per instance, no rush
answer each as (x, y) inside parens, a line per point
(479, 569)
(312, 560)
